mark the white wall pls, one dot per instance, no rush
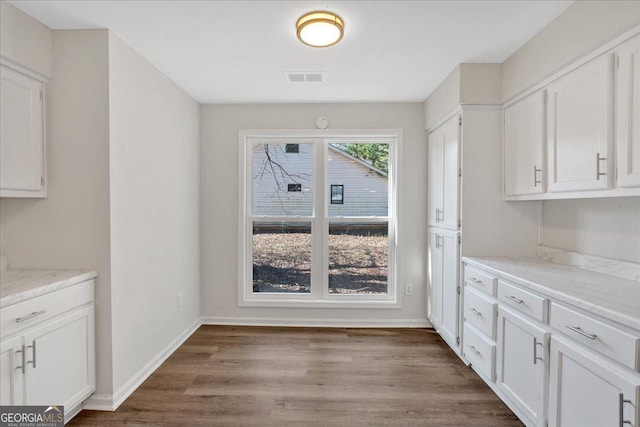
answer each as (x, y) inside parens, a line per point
(443, 100)
(70, 228)
(25, 41)
(581, 28)
(154, 176)
(219, 198)
(604, 227)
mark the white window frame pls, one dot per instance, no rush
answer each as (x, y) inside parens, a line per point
(319, 295)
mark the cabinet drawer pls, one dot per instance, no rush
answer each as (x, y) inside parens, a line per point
(480, 312)
(48, 305)
(524, 301)
(480, 352)
(480, 280)
(620, 345)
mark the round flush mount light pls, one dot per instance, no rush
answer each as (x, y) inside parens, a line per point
(320, 29)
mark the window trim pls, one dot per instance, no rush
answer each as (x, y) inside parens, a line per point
(341, 192)
(319, 298)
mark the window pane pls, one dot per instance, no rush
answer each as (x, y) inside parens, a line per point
(358, 258)
(282, 179)
(362, 171)
(282, 257)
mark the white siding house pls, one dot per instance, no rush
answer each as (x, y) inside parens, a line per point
(283, 186)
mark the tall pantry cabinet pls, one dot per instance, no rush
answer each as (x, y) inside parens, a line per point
(466, 212)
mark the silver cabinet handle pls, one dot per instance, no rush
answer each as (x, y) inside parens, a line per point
(622, 402)
(472, 348)
(439, 215)
(474, 280)
(30, 316)
(476, 312)
(438, 243)
(514, 299)
(22, 354)
(535, 176)
(535, 351)
(33, 353)
(598, 160)
(578, 330)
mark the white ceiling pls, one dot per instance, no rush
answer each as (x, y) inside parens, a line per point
(238, 51)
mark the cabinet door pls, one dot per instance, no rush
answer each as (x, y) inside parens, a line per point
(524, 137)
(434, 300)
(450, 281)
(60, 355)
(21, 135)
(587, 391)
(628, 114)
(579, 128)
(521, 363)
(435, 177)
(450, 174)
(11, 378)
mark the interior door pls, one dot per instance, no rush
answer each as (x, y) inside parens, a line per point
(59, 353)
(628, 113)
(449, 246)
(522, 358)
(434, 268)
(435, 176)
(524, 136)
(11, 376)
(450, 173)
(580, 128)
(586, 391)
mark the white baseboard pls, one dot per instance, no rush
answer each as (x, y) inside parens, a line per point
(107, 402)
(322, 323)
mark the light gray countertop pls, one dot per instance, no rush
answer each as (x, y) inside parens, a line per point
(20, 285)
(608, 296)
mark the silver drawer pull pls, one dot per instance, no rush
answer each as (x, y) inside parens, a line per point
(22, 367)
(476, 312)
(474, 280)
(577, 329)
(514, 299)
(30, 316)
(472, 348)
(33, 353)
(622, 402)
(535, 351)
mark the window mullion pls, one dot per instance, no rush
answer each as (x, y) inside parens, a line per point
(319, 244)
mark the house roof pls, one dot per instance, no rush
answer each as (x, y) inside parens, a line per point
(357, 160)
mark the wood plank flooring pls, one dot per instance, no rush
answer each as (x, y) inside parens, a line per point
(251, 376)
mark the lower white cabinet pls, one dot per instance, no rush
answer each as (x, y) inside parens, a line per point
(443, 300)
(49, 360)
(522, 364)
(588, 391)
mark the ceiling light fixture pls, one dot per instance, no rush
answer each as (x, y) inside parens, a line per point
(320, 29)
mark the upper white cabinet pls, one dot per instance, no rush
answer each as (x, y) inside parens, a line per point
(628, 113)
(580, 128)
(444, 166)
(524, 138)
(22, 153)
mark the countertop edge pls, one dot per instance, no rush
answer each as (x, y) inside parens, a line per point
(590, 307)
(25, 295)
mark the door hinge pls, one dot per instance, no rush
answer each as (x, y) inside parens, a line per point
(618, 61)
(40, 94)
(460, 173)
(459, 223)
(41, 181)
(458, 340)
(458, 290)
(459, 120)
(459, 239)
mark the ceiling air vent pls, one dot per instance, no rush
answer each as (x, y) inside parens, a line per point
(304, 77)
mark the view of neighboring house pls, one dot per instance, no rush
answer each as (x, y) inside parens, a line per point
(282, 183)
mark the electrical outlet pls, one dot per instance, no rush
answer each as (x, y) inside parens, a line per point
(408, 289)
(179, 300)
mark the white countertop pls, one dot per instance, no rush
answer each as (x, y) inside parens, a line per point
(608, 296)
(20, 285)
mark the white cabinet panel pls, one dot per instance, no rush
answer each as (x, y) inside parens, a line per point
(580, 129)
(586, 391)
(451, 180)
(524, 138)
(11, 368)
(435, 176)
(434, 300)
(628, 114)
(521, 364)
(21, 135)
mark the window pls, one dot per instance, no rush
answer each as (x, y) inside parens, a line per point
(337, 194)
(302, 245)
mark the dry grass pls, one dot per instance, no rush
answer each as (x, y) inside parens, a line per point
(357, 263)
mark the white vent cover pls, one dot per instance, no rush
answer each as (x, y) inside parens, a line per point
(304, 77)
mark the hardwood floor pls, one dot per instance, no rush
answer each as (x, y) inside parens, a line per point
(250, 376)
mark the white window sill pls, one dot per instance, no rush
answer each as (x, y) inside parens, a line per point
(317, 303)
